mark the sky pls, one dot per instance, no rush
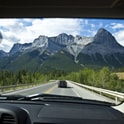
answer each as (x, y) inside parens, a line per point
(25, 30)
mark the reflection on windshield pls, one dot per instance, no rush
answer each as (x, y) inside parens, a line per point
(36, 54)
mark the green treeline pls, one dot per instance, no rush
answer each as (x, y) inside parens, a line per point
(103, 78)
(21, 77)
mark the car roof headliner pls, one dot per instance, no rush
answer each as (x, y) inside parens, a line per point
(62, 8)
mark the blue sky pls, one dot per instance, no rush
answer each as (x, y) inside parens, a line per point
(27, 29)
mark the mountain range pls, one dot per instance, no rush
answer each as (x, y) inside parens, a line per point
(64, 52)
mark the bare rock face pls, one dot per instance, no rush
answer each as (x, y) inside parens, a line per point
(105, 38)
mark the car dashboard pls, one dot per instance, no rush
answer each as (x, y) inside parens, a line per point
(57, 112)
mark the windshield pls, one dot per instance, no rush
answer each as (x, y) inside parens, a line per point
(80, 57)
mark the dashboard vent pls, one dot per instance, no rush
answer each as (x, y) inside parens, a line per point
(8, 119)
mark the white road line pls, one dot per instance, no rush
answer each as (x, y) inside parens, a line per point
(74, 90)
(76, 93)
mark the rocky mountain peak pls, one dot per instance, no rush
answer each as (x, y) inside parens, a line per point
(16, 47)
(64, 39)
(78, 37)
(2, 54)
(19, 48)
(40, 41)
(63, 35)
(104, 37)
(101, 30)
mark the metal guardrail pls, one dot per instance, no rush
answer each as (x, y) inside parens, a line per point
(117, 95)
(13, 87)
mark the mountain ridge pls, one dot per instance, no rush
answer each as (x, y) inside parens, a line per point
(101, 50)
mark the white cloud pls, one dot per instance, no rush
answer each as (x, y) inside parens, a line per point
(120, 37)
(53, 27)
(6, 44)
(117, 25)
(7, 22)
(100, 25)
(92, 25)
(86, 22)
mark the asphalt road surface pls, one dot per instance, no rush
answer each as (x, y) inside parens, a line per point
(71, 90)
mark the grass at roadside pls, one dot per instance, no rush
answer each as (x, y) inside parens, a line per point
(120, 75)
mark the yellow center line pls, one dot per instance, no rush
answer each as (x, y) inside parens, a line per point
(50, 89)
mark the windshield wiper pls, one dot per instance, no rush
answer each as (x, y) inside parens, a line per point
(36, 96)
(11, 97)
(50, 96)
(63, 98)
(54, 98)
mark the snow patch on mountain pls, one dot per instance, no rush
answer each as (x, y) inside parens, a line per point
(40, 43)
(78, 45)
(83, 40)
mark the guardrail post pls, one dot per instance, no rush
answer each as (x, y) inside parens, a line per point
(116, 100)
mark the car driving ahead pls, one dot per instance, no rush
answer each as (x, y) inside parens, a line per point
(62, 84)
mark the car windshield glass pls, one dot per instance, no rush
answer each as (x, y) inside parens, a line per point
(80, 57)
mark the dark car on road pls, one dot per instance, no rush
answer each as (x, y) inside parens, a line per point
(62, 83)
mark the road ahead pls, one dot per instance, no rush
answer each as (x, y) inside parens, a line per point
(71, 90)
